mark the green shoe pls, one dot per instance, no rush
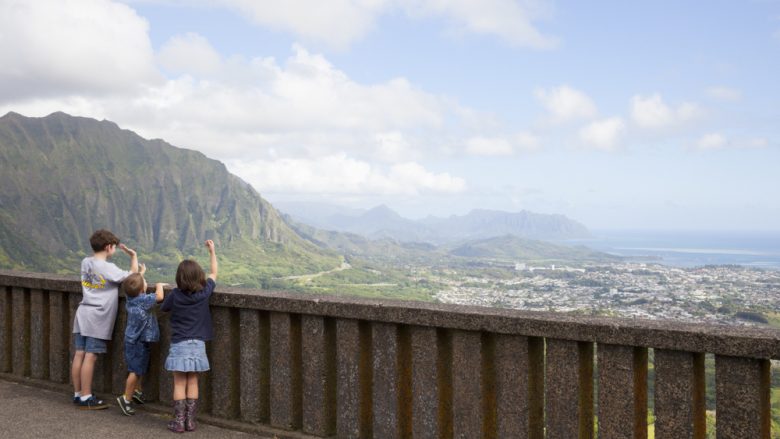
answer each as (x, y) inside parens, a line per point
(125, 406)
(138, 397)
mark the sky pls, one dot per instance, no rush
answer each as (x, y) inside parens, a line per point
(655, 115)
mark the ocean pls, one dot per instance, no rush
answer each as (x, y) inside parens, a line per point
(690, 248)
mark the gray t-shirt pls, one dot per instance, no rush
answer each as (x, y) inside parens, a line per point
(100, 286)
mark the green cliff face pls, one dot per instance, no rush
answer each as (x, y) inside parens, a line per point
(62, 177)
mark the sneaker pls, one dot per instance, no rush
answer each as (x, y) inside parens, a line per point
(92, 404)
(126, 407)
(138, 397)
(76, 400)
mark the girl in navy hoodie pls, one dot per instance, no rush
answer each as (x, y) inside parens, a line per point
(190, 324)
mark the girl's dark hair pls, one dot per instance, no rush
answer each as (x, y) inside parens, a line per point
(190, 277)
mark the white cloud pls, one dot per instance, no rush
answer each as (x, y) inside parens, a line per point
(393, 147)
(526, 141)
(340, 23)
(755, 142)
(190, 54)
(652, 113)
(603, 134)
(723, 93)
(489, 146)
(335, 22)
(302, 107)
(502, 146)
(510, 20)
(565, 103)
(340, 174)
(85, 46)
(712, 141)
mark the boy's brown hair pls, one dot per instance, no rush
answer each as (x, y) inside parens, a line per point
(133, 285)
(101, 238)
(190, 277)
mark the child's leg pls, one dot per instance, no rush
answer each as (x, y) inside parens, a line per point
(179, 385)
(87, 370)
(138, 385)
(192, 385)
(191, 406)
(75, 370)
(130, 385)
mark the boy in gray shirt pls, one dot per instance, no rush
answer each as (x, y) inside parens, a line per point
(95, 316)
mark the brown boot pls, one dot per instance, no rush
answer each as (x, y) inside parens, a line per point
(191, 410)
(176, 425)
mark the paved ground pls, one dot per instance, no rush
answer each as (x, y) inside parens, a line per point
(30, 412)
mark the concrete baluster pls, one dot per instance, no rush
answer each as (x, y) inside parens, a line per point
(59, 337)
(285, 371)
(319, 375)
(467, 385)
(225, 375)
(39, 334)
(20, 306)
(742, 397)
(679, 395)
(431, 360)
(254, 364)
(569, 389)
(622, 391)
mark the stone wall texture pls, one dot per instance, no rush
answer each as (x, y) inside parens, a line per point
(322, 366)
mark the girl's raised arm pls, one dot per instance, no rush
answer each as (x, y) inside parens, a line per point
(213, 255)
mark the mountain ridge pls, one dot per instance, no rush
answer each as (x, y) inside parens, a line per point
(64, 176)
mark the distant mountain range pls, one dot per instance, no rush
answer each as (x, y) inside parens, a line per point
(383, 222)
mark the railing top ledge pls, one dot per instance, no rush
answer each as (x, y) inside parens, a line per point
(740, 341)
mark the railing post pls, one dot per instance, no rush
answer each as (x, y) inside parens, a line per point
(742, 397)
(21, 332)
(5, 326)
(39, 334)
(254, 353)
(285, 371)
(467, 402)
(164, 379)
(119, 375)
(59, 335)
(429, 363)
(386, 373)
(519, 388)
(622, 391)
(350, 418)
(319, 376)
(569, 389)
(225, 364)
(679, 395)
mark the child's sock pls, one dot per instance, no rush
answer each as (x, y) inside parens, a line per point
(127, 401)
(85, 397)
(77, 394)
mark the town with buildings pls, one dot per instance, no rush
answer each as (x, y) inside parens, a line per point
(713, 294)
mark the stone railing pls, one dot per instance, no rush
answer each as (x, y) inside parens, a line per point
(317, 366)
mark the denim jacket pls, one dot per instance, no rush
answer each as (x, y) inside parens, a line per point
(141, 321)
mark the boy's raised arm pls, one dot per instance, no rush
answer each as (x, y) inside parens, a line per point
(213, 256)
(159, 291)
(133, 257)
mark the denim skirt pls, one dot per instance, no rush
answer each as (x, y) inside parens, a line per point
(187, 356)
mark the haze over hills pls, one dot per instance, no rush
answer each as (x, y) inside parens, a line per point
(383, 222)
(61, 177)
